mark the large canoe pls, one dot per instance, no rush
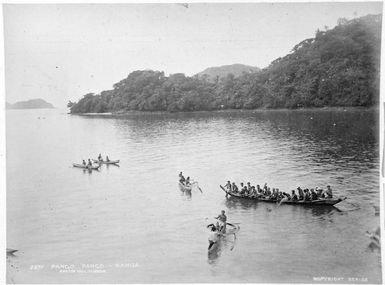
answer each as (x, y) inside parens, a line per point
(323, 202)
(183, 187)
(86, 166)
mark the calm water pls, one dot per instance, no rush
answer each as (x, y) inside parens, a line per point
(135, 225)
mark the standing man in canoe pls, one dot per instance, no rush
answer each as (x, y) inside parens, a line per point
(222, 219)
(300, 193)
(181, 178)
(100, 158)
(234, 188)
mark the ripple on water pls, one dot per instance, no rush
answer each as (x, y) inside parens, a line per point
(136, 212)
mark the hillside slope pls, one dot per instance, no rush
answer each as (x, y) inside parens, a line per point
(338, 67)
(212, 73)
(30, 104)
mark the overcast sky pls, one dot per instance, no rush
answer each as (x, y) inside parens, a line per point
(61, 52)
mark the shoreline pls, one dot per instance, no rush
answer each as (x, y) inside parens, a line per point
(262, 110)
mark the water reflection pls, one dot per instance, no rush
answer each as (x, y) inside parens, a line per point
(89, 171)
(226, 243)
(186, 194)
(243, 204)
(323, 212)
(214, 254)
(323, 140)
(112, 165)
(285, 149)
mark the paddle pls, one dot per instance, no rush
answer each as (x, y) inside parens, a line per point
(232, 225)
(283, 200)
(235, 239)
(199, 188)
(196, 183)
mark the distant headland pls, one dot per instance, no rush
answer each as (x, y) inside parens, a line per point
(30, 104)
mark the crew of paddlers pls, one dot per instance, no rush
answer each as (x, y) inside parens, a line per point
(89, 163)
(265, 193)
(275, 194)
(184, 181)
(100, 157)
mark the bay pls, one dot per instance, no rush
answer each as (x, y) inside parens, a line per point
(132, 224)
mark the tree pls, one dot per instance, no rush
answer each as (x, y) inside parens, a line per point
(339, 67)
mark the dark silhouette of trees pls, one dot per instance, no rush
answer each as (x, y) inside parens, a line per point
(338, 67)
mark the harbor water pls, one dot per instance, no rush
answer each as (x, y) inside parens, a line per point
(132, 224)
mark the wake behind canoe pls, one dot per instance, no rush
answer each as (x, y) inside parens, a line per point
(320, 202)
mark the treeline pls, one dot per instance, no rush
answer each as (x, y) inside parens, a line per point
(338, 67)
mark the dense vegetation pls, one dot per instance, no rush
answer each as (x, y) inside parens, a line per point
(338, 67)
(215, 73)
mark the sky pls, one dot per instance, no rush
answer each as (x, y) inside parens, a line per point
(60, 52)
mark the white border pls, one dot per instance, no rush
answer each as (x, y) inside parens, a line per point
(2, 104)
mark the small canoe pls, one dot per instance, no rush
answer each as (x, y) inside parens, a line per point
(183, 187)
(93, 167)
(231, 229)
(106, 162)
(320, 202)
(11, 251)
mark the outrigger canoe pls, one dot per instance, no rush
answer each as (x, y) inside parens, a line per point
(93, 167)
(106, 162)
(183, 187)
(323, 202)
(232, 229)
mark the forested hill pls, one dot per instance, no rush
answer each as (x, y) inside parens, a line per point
(338, 67)
(215, 73)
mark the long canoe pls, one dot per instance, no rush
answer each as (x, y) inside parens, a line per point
(183, 187)
(106, 162)
(323, 202)
(86, 166)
